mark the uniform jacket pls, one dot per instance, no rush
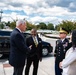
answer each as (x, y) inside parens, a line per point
(18, 49)
(60, 50)
(35, 50)
(69, 63)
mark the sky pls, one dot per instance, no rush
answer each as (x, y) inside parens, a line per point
(35, 11)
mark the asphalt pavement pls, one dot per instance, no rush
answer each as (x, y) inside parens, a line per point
(46, 67)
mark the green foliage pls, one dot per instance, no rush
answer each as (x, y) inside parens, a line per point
(68, 25)
(38, 26)
(57, 27)
(50, 26)
(30, 25)
(74, 25)
(8, 23)
(12, 25)
(42, 25)
(1, 26)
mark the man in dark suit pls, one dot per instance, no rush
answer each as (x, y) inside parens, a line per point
(18, 48)
(62, 45)
(36, 52)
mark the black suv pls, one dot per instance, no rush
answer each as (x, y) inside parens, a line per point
(5, 44)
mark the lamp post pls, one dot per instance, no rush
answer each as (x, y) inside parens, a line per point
(1, 15)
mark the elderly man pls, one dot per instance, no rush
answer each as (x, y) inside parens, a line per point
(18, 48)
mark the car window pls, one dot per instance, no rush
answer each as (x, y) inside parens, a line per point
(4, 42)
(26, 35)
(5, 33)
(4, 39)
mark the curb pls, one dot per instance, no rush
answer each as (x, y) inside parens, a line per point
(2, 72)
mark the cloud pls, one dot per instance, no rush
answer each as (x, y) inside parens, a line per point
(36, 11)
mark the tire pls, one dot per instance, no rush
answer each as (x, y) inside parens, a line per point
(45, 51)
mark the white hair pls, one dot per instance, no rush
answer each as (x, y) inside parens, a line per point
(19, 22)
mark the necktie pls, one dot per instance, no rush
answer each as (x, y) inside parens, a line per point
(35, 41)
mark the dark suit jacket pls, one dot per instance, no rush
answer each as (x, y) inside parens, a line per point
(18, 49)
(35, 50)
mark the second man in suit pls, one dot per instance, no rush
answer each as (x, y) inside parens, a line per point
(36, 52)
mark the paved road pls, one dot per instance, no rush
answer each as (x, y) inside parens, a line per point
(46, 67)
(50, 40)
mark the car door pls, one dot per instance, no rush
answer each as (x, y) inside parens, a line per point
(4, 45)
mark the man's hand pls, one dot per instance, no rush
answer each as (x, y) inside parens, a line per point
(60, 65)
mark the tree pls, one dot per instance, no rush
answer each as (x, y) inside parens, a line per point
(42, 25)
(1, 26)
(12, 25)
(50, 26)
(8, 23)
(30, 25)
(74, 26)
(38, 27)
(68, 25)
(57, 27)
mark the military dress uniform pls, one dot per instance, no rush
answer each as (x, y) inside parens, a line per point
(60, 51)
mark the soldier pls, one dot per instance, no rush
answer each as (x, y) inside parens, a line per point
(60, 50)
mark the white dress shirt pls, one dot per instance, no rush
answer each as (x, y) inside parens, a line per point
(35, 40)
(19, 29)
(62, 39)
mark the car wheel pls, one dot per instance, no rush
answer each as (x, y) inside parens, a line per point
(45, 51)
